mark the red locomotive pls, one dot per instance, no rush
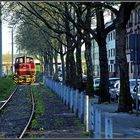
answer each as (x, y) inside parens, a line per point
(25, 70)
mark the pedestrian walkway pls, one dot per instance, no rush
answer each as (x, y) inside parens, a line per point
(125, 125)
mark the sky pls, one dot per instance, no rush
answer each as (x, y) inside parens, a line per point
(7, 39)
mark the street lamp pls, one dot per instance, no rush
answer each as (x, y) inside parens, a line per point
(12, 44)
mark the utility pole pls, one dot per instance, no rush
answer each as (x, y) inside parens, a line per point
(0, 42)
(12, 50)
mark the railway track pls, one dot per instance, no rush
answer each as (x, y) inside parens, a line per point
(17, 112)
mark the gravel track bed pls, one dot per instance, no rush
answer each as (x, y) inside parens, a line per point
(15, 115)
(57, 121)
(1, 104)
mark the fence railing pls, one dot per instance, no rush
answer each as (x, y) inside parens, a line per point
(84, 108)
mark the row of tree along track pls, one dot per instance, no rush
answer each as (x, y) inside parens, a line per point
(16, 113)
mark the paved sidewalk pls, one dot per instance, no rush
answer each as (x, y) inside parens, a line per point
(125, 125)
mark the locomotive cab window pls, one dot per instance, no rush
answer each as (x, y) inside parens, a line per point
(19, 60)
(29, 60)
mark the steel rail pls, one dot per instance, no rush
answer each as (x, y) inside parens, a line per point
(8, 99)
(31, 116)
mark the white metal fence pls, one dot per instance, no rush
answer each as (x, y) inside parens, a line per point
(84, 108)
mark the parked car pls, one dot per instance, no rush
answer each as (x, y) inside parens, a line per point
(114, 92)
(60, 77)
(134, 96)
(96, 83)
(84, 82)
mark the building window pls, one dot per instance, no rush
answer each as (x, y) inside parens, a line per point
(113, 52)
(111, 61)
(113, 68)
(131, 67)
(111, 36)
(110, 68)
(114, 35)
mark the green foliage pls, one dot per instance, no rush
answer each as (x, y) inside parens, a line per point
(34, 124)
(49, 92)
(7, 86)
(78, 123)
(41, 129)
(40, 108)
(85, 133)
(39, 76)
(32, 135)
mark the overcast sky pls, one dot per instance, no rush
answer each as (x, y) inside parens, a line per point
(7, 39)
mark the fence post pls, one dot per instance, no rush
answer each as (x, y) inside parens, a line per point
(82, 107)
(74, 98)
(91, 118)
(79, 105)
(75, 102)
(60, 86)
(71, 99)
(64, 93)
(87, 113)
(68, 98)
(108, 126)
(60, 90)
(97, 123)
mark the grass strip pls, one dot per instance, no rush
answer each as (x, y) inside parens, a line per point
(7, 86)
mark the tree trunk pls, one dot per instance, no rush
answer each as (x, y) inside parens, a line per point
(125, 102)
(62, 62)
(104, 75)
(70, 61)
(46, 63)
(79, 67)
(56, 66)
(68, 78)
(51, 69)
(72, 69)
(89, 85)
